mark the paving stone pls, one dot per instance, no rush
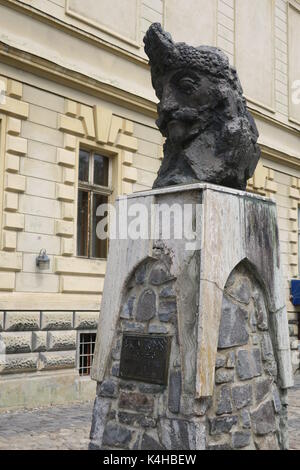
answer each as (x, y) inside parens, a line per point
(159, 275)
(262, 389)
(267, 348)
(224, 404)
(174, 391)
(253, 321)
(100, 412)
(220, 361)
(146, 307)
(241, 290)
(233, 327)
(147, 422)
(245, 418)
(230, 363)
(242, 395)
(116, 436)
(140, 274)
(222, 425)
(157, 329)
(261, 312)
(269, 442)
(255, 340)
(116, 350)
(167, 293)
(136, 402)
(167, 310)
(218, 447)
(249, 364)
(150, 388)
(128, 418)
(132, 327)
(224, 376)
(270, 368)
(148, 443)
(202, 405)
(136, 419)
(128, 308)
(276, 399)
(115, 370)
(177, 434)
(263, 419)
(108, 388)
(241, 439)
(127, 385)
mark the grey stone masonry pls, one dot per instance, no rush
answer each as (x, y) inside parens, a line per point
(246, 405)
(208, 323)
(137, 417)
(249, 405)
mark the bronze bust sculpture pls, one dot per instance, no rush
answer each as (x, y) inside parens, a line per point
(210, 134)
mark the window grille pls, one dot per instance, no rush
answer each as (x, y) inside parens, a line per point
(86, 352)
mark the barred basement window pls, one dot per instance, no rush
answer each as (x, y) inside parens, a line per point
(94, 189)
(86, 352)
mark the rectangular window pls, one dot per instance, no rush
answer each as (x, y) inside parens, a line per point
(86, 352)
(93, 190)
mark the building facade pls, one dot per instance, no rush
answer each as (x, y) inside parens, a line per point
(77, 128)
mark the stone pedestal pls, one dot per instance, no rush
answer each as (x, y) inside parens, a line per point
(220, 300)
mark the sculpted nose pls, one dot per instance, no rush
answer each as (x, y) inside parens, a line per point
(168, 102)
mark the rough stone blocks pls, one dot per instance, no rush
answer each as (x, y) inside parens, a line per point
(61, 340)
(13, 363)
(86, 320)
(57, 360)
(16, 343)
(22, 321)
(57, 321)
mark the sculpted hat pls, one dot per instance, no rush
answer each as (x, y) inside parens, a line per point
(165, 54)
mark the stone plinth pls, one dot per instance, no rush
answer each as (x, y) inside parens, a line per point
(220, 299)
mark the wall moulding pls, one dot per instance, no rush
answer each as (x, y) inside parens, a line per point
(73, 30)
(13, 147)
(242, 61)
(285, 159)
(293, 57)
(50, 71)
(259, 114)
(27, 301)
(95, 128)
(100, 26)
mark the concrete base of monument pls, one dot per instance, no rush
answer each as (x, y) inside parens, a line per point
(193, 348)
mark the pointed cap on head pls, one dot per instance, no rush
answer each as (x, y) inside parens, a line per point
(164, 54)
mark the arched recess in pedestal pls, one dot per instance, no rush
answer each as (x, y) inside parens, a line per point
(246, 394)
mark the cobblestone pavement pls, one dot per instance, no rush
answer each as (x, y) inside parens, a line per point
(59, 427)
(67, 427)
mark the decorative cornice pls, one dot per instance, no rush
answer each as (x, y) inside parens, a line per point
(49, 70)
(280, 156)
(273, 121)
(73, 30)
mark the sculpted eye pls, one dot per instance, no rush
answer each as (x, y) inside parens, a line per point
(186, 84)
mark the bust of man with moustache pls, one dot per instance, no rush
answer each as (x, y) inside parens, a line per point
(210, 135)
